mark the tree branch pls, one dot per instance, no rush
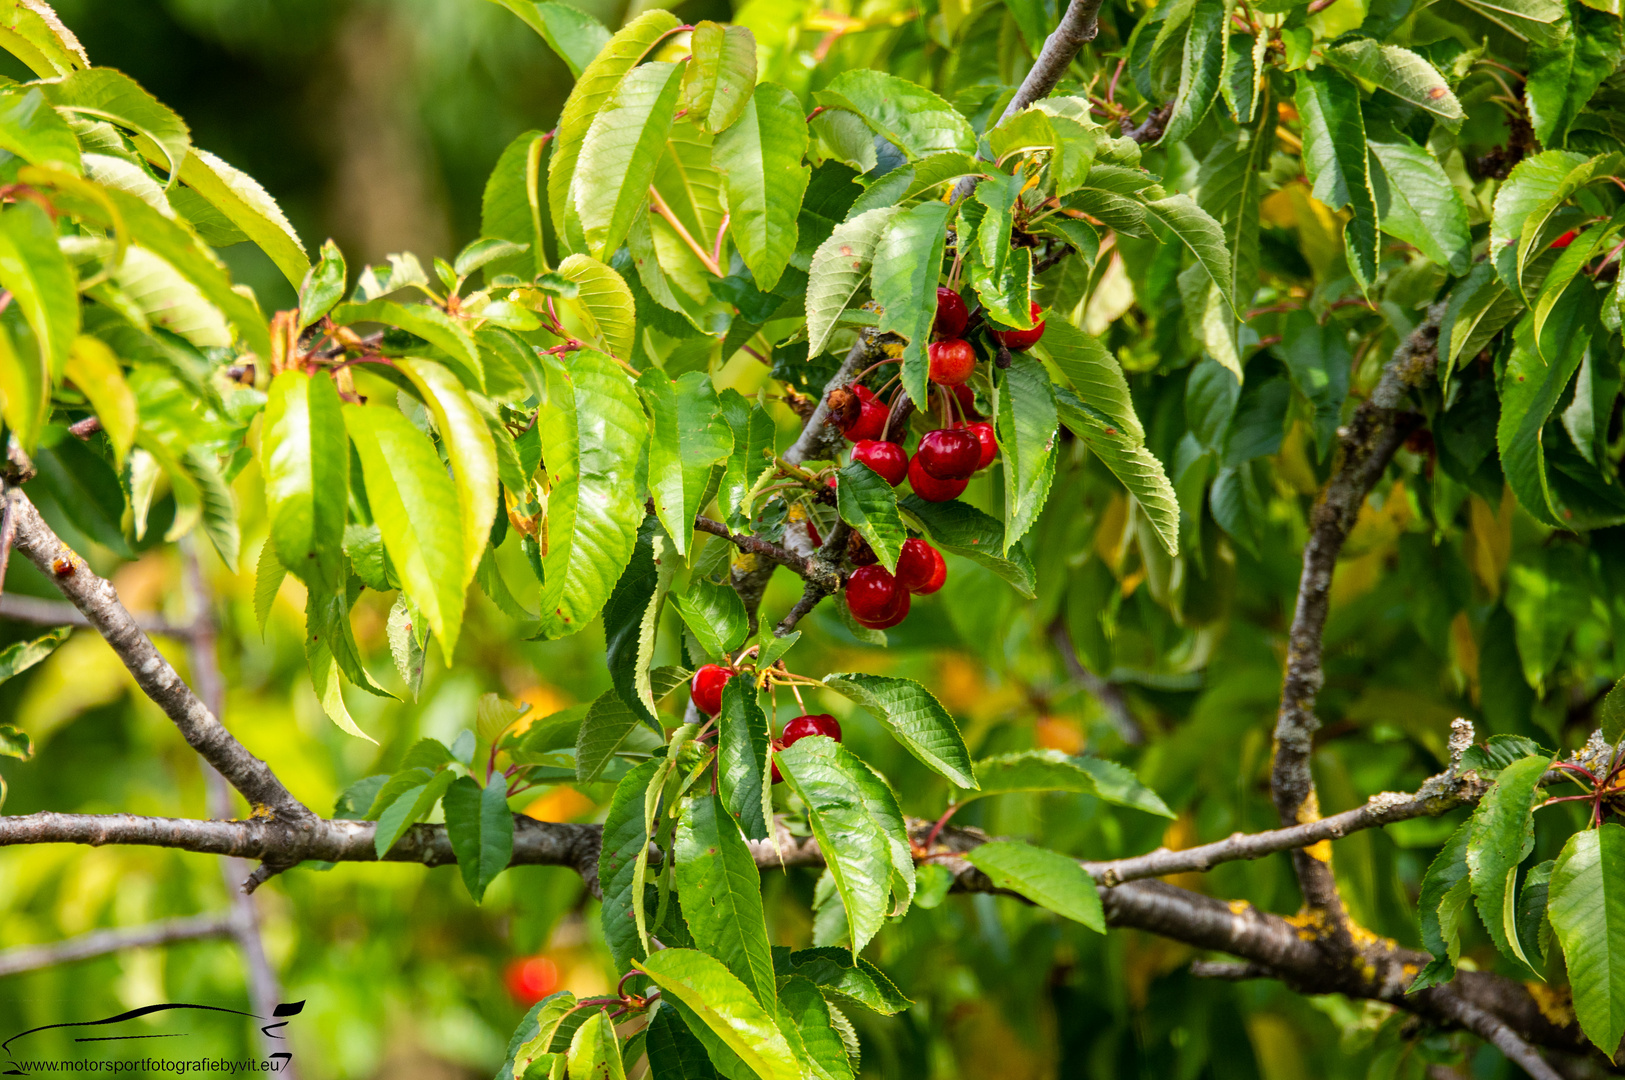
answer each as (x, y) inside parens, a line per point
(101, 942)
(1108, 694)
(96, 599)
(1369, 441)
(33, 609)
(745, 542)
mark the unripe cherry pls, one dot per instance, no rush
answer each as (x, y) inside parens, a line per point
(886, 458)
(929, 487)
(705, 689)
(1021, 340)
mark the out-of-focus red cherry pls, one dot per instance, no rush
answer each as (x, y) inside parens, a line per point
(531, 978)
(1565, 240)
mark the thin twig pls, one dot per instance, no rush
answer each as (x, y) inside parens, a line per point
(20, 607)
(1108, 694)
(101, 942)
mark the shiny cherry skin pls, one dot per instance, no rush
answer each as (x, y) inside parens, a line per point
(815, 724)
(895, 617)
(919, 565)
(870, 423)
(872, 594)
(1021, 340)
(863, 392)
(967, 400)
(952, 361)
(949, 453)
(951, 313)
(886, 458)
(984, 435)
(929, 487)
(531, 978)
(706, 687)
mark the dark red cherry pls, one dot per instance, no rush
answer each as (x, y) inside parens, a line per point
(929, 487)
(1020, 340)
(918, 565)
(984, 435)
(895, 617)
(952, 361)
(967, 401)
(949, 453)
(706, 687)
(886, 458)
(863, 392)
(872, 594)
(951, 313)
(815, 724)
(870, 422)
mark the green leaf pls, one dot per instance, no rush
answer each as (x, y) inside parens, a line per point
(595, 1052)
(1400, 72)
(715, 615)
(33, 34)
(511, 205)
(964, 530)
(592, 432)
(409, 809)
(1051, 770)
(743, 767)
(839, 267)
(1611, 714)
(575, 36)
(915, 717)
(1092, 372)
(721, 76)
(690, 436)
(19, 656)
(720, 1010)
(1518, 15)
(1231, 182)
(250, 208)
(1338, 164)
(620, 152)
(604, 302)
(907, 265)
(1587, 909)
(1000, 275)
(1027, 431)
(910, 117)
(534, 1039)
(95, 370)
(824, 775)
(847, 979)
(1530, 391)
(1417, 203)
(31, 129)
(721, 894)
(1047, 878)
(305, 459)
(442, 331)
(404, 647)
(867, 503)
(587, 99)
(754, 440)
(111, 95)
(414, 503)
(674, 1052)
(15, 743)
(760, 157)
(624, 839)
(1503, 832)
(1566, 69)
(608, 722)
(480, 828)
(1204, 49)
(1439, 884)
(323, 285)
(268, 576)
(802, 1009)
(1132, 463)
(881, 800)
(1532, 191)
(631, 618)
(42, 284)
(1479, 308)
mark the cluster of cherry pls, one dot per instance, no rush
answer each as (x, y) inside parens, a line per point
(879, 599)
(946, 458)
(705, 690)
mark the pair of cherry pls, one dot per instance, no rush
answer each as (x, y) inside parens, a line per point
(958, 356)
(880, 600)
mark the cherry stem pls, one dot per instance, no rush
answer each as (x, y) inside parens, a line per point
(796, 690)
(866, 372)
(620, 987)
(931, 837)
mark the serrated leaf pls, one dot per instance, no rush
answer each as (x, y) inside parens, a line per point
(1337, 162)
(1530, 391)
(883, 806)
(595, 1052)
(907, 264)
(1203, 49)
(31, 129)
(414, 504)
(1027, 432)
(625, 837)
(1399, 71)
(802, 1009)
(1051, 770)
(511, 205)
(19, 656)
(1503, 832)
(1197, 230)
(442, 331)
(404, 648)
(964, 530)
(1047, 878)
(754, 438)
(1417, 203)
(592, 433)
(604, 301)
(113, 96)
(760, 157)
(250, 208)
(721, 1011)
(1092, 372)
(1448, 869)
(1587, 909)
(15, 743)
(95, 370)
(410, 807)
(840, 975)
(268, 575)
(690, 436)
(33, 33)
(910, 117)
(743, 759)
(575, 36)
(631, 618)
(674, 1052)
(1132, 463)
(714, 614)
(480, 828)
(915, 717)
(868, 503)
(822, 773)
(838, 268)
(305, 459)
(42, 285)
(619, 154)
(534, 1039)
(721, 894)
(323, 285)
(721, 75)
(1532, 191)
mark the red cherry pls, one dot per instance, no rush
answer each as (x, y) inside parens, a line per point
(531, 978)
(870, 422)
(886, 458)
(705, 688)
(967, 400)
(863, 392)
(984, 435)
(951, 313)
(896, 617)
(929, 487)
(873, 594)
(952, 361)
(918, 565)
(949, 453)
(1565, 240)
(1021, 340)
(815, 724)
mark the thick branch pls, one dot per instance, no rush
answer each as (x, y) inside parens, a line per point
(101, 942)
(1369, 441)
(96, 599)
